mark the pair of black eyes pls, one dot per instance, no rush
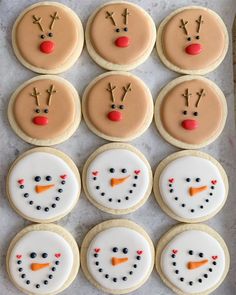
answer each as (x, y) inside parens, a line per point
(118, 30)
(124, 250)
(112, 170)
(197, 179)
(34, 255)
(196, 37)
(38, 111)
(191, 252)
(38, 178)
(44, 36)
(194, 113)
(113, 106)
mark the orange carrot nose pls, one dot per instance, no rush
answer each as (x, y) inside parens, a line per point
(115, 261)
(116, 181)
(196, 264)
(43, 188)
(38, 266)
(195, 190)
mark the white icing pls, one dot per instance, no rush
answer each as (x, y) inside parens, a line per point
(41, 242)
(199, 242)
(192, 167)
(120, 237)
(118, 159)
(43, 164)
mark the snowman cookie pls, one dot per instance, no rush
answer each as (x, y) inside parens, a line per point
(117, 256)
(192, 40)
(45, 110)
(120, 35)
(117, 178)
(192, 259)
(48, 37)
(43, 259)
(190, 112)
(190, 186)
(43, 185)
(117, 106)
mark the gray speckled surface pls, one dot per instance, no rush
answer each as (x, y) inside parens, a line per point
(79, 147)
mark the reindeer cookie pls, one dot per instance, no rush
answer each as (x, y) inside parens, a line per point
(117, 178)
(117, 106)
(120, 35)
(48, 37)
(192, 40)
(190, 112)
(43, 259)
(43, 185)
(45, 110)
(117, 256)
(190, 186)
(192, 259)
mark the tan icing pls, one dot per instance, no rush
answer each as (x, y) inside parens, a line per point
(61, 110)
(65, 36)
(136, 106)
(103, 34)
(212, 39)
(210, 112)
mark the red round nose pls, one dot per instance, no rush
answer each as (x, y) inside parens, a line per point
(190, 124)
(114, 116)
(193, 49)
(40, 120)
(122, 41)
(47, 47)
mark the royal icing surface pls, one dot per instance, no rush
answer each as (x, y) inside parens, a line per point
(192, 187)
(117, 179)
(193, 261)
(42, 186)
(41, 262)
(119, 258)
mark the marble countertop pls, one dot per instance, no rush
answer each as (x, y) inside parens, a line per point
(83, 142)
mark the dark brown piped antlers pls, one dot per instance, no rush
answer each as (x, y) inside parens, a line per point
(54, 18)
(111, 89)
(50, 91)
(36, 95)
(186, 95)
(126, 90)
(199, 21)
(183, 26)
(110, 15)
(125, 14)
(200, 95)
(38, 22)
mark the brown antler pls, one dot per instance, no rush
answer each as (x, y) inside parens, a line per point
(111, 89)
(186, 95)
(125, 14)
(183, 26)
(38, 22)
(126, 90)
(110, 15)
(54, 18)
(200, 95)
(50, 91)
(199, 21)
(36, 95)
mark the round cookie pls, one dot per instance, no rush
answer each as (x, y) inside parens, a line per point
(190, 186)
(190, 112)
(117, 106)
(117, 178)
(120, 35)
(48, 37)
(43, 259)
(43, 185)
(45, 110)
(192, 40)
(192, 259)
(117, 256)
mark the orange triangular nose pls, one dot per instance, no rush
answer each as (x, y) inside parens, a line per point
(116, 261)
(116, 181)
(38, 266)
(195, 190)
(43, 188)
(196, 264)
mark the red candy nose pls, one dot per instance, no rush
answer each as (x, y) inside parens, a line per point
(40, 120)
(193, 49)
(115, 116)
(122, 41)
(47, 46)
(190, 124)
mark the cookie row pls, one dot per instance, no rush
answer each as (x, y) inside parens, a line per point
(48, 38)
(117, 256)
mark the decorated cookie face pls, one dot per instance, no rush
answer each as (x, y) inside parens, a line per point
(48, 38)
(121, 34)
(193, 261)
(194, 39)
(192, 187)
(43, 186)
(118, 106)
(119, 258)
(41, 262)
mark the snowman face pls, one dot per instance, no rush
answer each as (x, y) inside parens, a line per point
(41, 262)
(119, 258)
(193, 261)
(192, 187)
(42, 186)
(118, 179)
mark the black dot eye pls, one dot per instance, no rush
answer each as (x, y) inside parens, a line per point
(37, 178)
(112, 170)
(115, 249)
(125, 250)
(126, 29)
(188, 179)
(46, 111)
(48, 178)
(42, 36)
(201, 255)
(195, 113)
(37, 111)
(124, 170)
(185, 112)
(44, 255)
(33, 255)
(117, 30)
(189, 38)
(190, 252)
(197, 37)
(113, 106)
(50, 34)
(121, 106)
(198, 179)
